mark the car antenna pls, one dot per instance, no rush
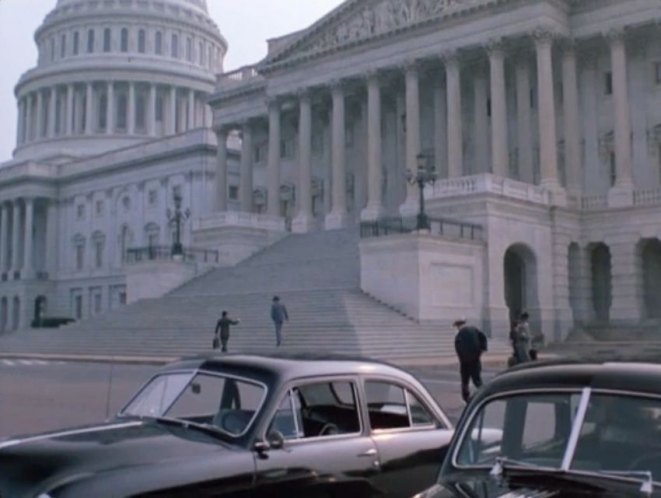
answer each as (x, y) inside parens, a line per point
(110, 378)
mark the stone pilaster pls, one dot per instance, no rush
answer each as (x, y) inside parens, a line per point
(481, 123)
(499, 142)
(40, 115)
(52, 112)
(626, 271)
(337, 218)
(191, 109)
(172, 114)
(246, 181)
(89, 109)
(374, 209)
(16, 238)
(70, 109)
(4, 236)
(440, 128)
(413, 144)
(130, 114)
(273, 167)
(52, 236)
(28, 244)
(303, 222)
(524, 120)
(572, 137)
(221, 170)
(151, 114)
(29, 121)
(110, 109)
(20, 128)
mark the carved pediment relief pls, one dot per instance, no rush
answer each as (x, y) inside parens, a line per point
(366, 19)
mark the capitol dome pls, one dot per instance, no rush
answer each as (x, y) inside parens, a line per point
(113, 73)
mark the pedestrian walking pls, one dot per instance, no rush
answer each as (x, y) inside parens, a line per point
(279, 315)
(521, 339)
(223, 330)
(469, 343)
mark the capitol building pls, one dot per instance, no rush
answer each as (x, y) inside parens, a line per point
(541, 120)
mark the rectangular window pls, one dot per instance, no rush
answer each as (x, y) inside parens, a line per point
(141, 113)
(175, 46)
(142, 41)
(153, 197)
(97, 303)
(159, 107)
(52, 49)
(78, 306)
(76, 43)
(124, 40)
(63, 45)
(107, 40)
(103, 112)
(80, 211)
(99, 208)
(90, 41)
(122, 298)
(201, 53)
(80, 257)
(158, 43)
(234, 192)
(393, 407)
(122, 102)
(608, 83)
(189, 49)
(98, 253)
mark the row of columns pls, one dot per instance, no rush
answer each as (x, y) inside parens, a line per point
(21, 231)
(543, 41)
(38, 111)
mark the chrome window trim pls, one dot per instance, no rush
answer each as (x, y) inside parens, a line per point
(497, 396)
(577, 425)
(197, 371)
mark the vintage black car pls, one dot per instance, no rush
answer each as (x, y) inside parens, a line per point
(561, 428)
(246, 426)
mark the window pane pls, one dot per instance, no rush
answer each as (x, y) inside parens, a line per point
(387, 405)
(419, 413)
(107, 40)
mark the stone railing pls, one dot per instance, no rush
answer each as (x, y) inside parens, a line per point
(593, 202)
(240, 219)
(488, 183)
(440, 227)
(238, 77)
(647, 197)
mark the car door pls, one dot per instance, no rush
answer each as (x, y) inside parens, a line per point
(410, 438)
(325, 450)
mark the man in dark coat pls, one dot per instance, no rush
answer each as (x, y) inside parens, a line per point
(469, 345)
(223, 327)
(279, 315)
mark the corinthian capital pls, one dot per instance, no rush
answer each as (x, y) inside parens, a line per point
(616, 34)
(544, 35)
(450, 56)
(494, 46)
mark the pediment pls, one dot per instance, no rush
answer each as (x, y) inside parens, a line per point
(358, 21)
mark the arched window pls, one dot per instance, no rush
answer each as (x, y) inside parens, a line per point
(107, 40)
(158, 43)
(142, 41)
(90, 41)
(124, 40)
(175, 46)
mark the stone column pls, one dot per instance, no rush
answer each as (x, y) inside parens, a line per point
(151, 115)
(374, 209)
(69, 113)
(572, 129)
(130, 115)
(221, 170)
(303, 221)
(481, 123)
(273, 167)
(627, 299)
(524, 120)
(110, 109)
(28, 241)
(440, 127)
(16, 234)
(20, 129)
(499, 141)
(411, 77)
(89, 109)
(246, 168)
(547, 135)
(455, 131)
(52, 236)
(52, 112)
(40, 115)
(172, 118)
(29, 121)
(191, 109)
(337, 218)
(622, 115)
(4, 236)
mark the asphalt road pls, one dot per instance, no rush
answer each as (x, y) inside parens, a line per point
(38, 396)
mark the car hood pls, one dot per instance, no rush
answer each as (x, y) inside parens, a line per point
(35, 464)
(529, 485)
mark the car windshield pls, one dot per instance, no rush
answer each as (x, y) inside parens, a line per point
(224, 402)
(618, 434)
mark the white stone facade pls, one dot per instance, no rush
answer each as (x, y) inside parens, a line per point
(542, 118)
(112, 122)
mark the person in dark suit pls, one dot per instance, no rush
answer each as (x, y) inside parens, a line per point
(279, 315)
(223, 329)
(469, 345)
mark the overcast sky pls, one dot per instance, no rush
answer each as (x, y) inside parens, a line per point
(246, 24)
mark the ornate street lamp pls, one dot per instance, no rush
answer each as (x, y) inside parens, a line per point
(176, 219)
(425, 174)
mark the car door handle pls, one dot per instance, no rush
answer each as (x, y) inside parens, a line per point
(369, 453)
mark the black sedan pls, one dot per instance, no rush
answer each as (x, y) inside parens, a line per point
(246, 426)
(559, 429)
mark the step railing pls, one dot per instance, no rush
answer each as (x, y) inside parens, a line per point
(437, 226)
(135, 255)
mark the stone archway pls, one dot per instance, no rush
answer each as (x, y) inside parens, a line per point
(650, 251)
(601, 281)
(520, 280)
(16, 313)
(40, 304)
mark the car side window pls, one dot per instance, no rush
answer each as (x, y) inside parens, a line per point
(390, 406)
(318, 410)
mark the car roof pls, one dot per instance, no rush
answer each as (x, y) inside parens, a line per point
(289, 365)
(630, 375)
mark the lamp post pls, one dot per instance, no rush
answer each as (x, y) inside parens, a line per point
(425, 174)
(175, 219)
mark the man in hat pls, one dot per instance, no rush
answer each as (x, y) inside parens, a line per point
(469, 343)
(279, 315)
(223, 327)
